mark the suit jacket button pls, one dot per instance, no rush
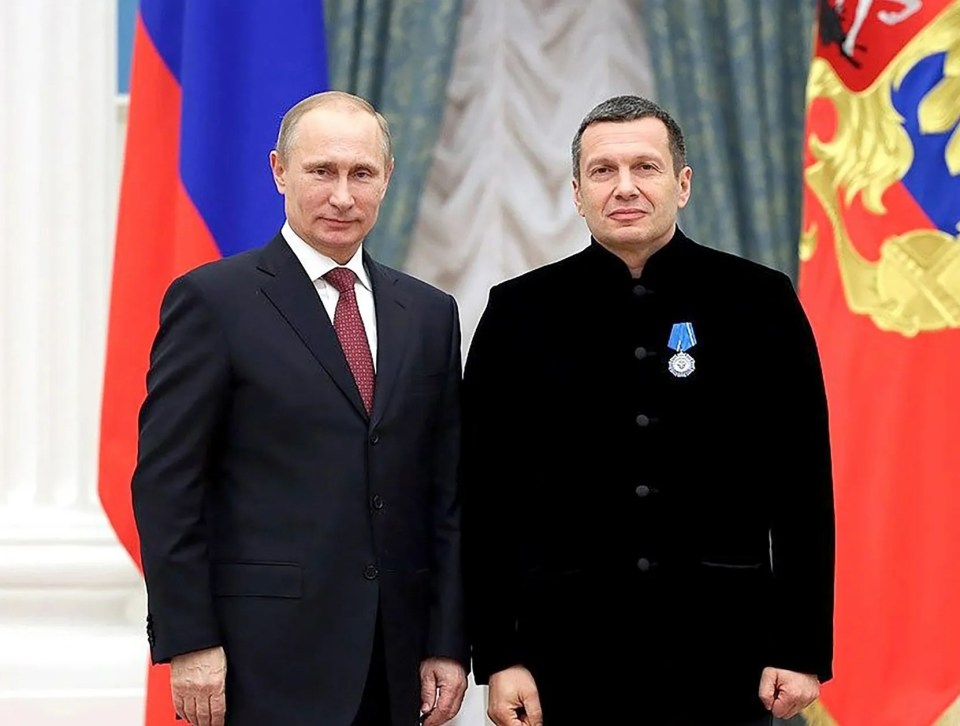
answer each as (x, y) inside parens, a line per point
(643, 420)
(370, 572)
(643, 490)
(377, 502)
(640, 290)
(641, 353)
(375, 438)
(644, 565)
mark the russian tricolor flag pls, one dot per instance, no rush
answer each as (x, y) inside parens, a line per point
(210, 82)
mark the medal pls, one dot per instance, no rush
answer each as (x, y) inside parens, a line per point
(682, 338)
(681, 365)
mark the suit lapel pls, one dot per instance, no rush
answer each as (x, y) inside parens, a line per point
(294, 296)
(392, 334)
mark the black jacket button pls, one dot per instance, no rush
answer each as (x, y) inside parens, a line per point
(377, 501)
(640, 290)
(643, 420)
(643, 490)
(374, 438)
(641, 353)
(644, 565)
(370, 572)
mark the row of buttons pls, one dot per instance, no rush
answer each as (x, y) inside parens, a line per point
(644, 564)
(370, 572)
(642, 353)
(643, 421)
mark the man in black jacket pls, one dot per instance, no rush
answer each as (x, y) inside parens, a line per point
(648, 514)
(296, 490)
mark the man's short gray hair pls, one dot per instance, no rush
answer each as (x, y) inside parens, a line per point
(631, 108)
(288, 126)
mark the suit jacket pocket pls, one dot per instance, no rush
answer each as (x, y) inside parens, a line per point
(732, 600)
(746, 565)
(257, 579)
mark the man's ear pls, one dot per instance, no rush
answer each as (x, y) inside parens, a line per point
(279, 171)
(685, 179)
(387, 173)
(577, 201)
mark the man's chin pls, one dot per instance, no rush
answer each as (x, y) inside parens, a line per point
(339, 247)
(633, 236)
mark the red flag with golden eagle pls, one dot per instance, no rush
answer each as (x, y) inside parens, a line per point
(880, 280)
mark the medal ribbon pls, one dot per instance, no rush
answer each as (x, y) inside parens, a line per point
(682, 337)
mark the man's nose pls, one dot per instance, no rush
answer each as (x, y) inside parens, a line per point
(625, 184)
(341, 197)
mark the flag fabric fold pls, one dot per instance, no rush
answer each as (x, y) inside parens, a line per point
(880, 280)
(210, 82)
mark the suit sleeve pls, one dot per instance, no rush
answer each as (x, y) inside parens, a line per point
(490, 563)
(187, 387)
(802, 532)
(446, 636)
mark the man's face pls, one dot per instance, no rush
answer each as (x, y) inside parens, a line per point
(333, 179)
(628, 192)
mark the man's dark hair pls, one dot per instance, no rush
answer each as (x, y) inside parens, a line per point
(631, 108)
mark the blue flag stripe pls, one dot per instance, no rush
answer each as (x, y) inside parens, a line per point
(241, 65)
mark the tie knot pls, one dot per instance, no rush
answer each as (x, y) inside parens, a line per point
(341, 278)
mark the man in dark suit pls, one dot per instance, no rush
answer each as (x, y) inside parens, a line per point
(296, 489)
(648, 508)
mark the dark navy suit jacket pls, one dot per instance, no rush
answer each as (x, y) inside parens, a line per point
(275, 516)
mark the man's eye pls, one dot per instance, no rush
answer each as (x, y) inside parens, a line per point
(363, 174)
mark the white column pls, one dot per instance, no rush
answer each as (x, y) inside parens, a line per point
(71, 613)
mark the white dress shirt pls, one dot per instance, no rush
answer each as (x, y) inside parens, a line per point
(317, 265)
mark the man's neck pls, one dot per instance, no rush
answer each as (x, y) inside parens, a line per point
(636, 256)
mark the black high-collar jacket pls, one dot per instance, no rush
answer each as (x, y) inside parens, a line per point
(616, 513)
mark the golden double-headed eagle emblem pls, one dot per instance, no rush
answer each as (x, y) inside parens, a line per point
(911, 283)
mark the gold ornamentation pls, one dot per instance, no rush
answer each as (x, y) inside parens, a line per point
(915, 285)
(950, 717)
(808, 243)
(816, 715)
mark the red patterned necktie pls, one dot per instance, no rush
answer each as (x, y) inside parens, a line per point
(350, 331)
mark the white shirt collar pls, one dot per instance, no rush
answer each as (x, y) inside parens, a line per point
(317, 264)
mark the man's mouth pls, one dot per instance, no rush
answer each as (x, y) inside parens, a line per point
(626, 214)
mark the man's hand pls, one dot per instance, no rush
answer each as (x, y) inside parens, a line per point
(198, 681)
(442, 685)
(513, 698)
(786, 693)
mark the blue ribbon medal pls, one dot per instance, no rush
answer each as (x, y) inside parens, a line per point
(682, 339)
